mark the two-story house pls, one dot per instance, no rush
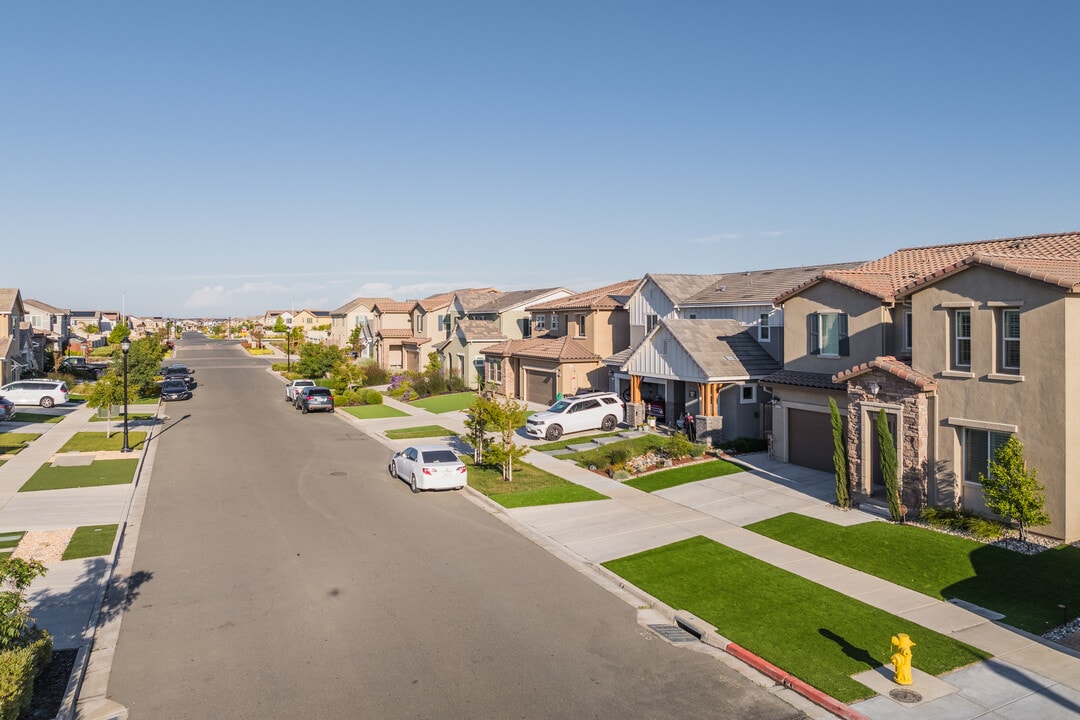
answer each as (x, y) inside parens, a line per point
(16, 350)
(570, 338)
(483, 321)
(352, 317)
(51, 328)
(962, 346)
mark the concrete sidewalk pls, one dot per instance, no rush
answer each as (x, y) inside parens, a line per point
(1028, 677)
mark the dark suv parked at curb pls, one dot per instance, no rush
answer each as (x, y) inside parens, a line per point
(315, 398)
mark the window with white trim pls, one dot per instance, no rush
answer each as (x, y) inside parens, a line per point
(961, 332)
(828, 333)
(494, 370)
(554, 322)
(581, 326)
(748, 394)
(907, 331)
(651, 321)
(979, 448)
(763, 328)
(1009, 328)
(540, 320)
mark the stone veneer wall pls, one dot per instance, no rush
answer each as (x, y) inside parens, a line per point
(913, 408)
(709, 429)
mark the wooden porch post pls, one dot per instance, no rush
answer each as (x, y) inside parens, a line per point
(635, 388)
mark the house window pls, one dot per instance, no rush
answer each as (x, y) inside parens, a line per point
(554, 322)
(581, 326)
(1010, 340)
(907, 331)
(829, 334)
(979, 449)
(748, 394)
(651, 321)
(419, 323)
(494, 371)
(763, 327)
(962, 338)
(664, 347)
(540, 320)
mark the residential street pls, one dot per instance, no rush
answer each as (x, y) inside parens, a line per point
(281, 573)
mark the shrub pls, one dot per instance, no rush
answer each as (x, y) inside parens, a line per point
(678, 446)
(620, 475)
(976, 526)
(374, 374)
(18, 669)
(370, 397)
(617, 455)
(400, 387)
(742, 445)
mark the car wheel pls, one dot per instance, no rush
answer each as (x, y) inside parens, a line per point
(609, 423)
(303, 409)
(554, 433)
(331, 409)
(392, 467)
(47, 402)
(412, 484)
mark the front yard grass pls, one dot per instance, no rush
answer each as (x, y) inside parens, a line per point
(446, 403)
(90, 541)
(421, 431)
(95, 441)
(531, 486)
(567, 442)
(1028, 589)
(96, 474)
(815, 633)
(663, 479)
(12, 442)
(8, 543)
(33, 417)
(371, 412)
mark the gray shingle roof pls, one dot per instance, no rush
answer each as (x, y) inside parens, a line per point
(722, 348)
(757, 286)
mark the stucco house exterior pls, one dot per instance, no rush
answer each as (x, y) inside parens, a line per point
(351, 315)
(962, 346)
(570, 338)
(50, 327)
(16, 350)
(478, 325)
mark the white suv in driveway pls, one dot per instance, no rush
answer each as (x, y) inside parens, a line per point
(45, 393)
(591, 411)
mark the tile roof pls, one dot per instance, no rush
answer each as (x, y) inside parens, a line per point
(891, 365)
(820, 381)
(510, 299)
(723, 349)
(397, 333)
(757, 286)
(357, 302)
(562, 349)
(1053, 258)
(394, 306)
(472, 298)
(441, 300)
(609, 297)
(479, 330)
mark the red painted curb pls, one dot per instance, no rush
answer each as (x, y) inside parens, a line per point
(811, 693)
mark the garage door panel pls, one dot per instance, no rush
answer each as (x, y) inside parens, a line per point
(810, 442)
(540, 388)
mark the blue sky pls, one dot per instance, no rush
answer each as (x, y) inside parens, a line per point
(223, 158)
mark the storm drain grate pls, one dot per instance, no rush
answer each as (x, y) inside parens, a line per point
(673, 633)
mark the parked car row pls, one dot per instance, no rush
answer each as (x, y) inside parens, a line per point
(309, 398)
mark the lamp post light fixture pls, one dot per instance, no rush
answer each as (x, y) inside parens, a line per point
(125, 345)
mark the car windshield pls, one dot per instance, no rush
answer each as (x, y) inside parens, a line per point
(439, 456)
(318, 391)
(559, 407)
(174, 385)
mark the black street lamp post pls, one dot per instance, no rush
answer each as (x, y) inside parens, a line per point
(125, 345)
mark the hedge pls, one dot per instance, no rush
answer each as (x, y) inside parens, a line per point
(18, 669)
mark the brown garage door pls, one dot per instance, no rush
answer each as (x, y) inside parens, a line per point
(810, 441)
(540, 388)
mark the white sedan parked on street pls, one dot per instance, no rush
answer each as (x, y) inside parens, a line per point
(429, 467)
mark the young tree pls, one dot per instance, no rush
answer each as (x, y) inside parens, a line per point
(506, 416)
(16, 626)
(478, 418)
(1012, 491)
(843, 493)
(119, 333)
(316, 361)
(105, 393)
(888, 466)
(144, 363)
(354, 338)
(279, 325)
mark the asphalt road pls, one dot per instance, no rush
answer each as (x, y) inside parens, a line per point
(286, 575)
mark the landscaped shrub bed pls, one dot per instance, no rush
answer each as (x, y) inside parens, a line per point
(18, 668)
(637, 455)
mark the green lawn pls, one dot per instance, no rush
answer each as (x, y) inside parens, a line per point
(33, 417)
(682, 475)
(1027, 589)
(369, 412)
(94, 441)
(13, 442)
(421, 431)
(531, 486)
(100, 472)
(90, 541)
(8, 543)
(817, 634)
(446, 403)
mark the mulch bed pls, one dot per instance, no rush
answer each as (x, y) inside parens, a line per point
(50, 686)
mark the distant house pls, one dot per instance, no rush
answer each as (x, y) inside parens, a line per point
(16, 350)
(570, 338)
(352, 315)
(51, 328)
(481, 321)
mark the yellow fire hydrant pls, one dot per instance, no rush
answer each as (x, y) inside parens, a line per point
(901, 658)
